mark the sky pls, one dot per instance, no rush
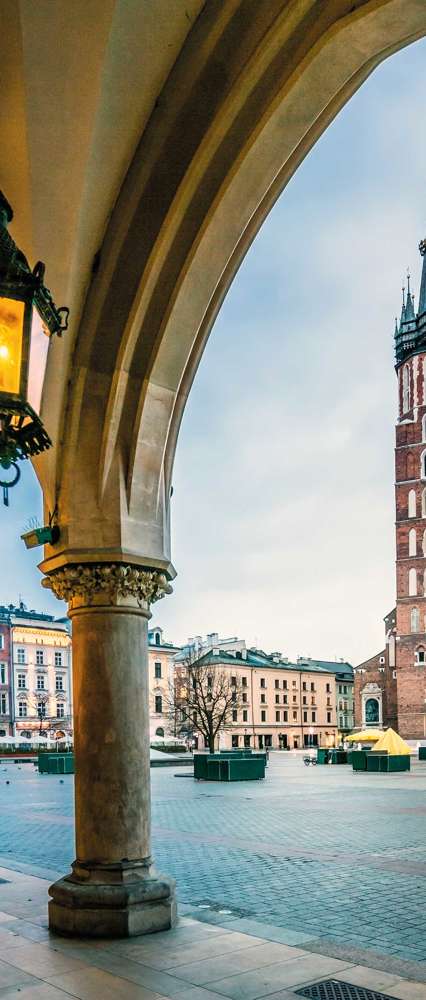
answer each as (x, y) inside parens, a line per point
(283, 505)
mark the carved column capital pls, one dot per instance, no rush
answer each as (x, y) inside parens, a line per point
(90, 583)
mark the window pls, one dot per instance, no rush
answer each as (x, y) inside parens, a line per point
(39, 657)
(294, 715)
(158, 703)
(262, 682)
(263, 699)
(394, 674)
(412, 582)
(277, 683)
(424, 420)
(159, 731)
(294, 698)
(328, 701)
(420, 655)
(194, 718)
(60, 710)
(277, 717)
(423, 504)
(285, 715)
(304, 686)
(263, 716)
(312, 686)
(305, 700)
(328, 688)
(244, 697)
(40, 682)
(22, 709)
(20, 655)
(59, 682)
(411, 466)
(314, 716)
(285, 685)
(244, 682)
(3, 704)
(285, 699)
(41, 709)
(157, 671)
(405, 388)
(423, 465)
(277, 699)
(1, 640)
(157, 638)
(234, 716)
(3, 673)
(234, 742)
(412, 542)
(245, 715)
(305, 716)
(293, 683)
(328, 716)
(58, 658)
(233, 696)
(22, 682)
(233, 681)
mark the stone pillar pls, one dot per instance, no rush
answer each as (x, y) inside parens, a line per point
(114, 890)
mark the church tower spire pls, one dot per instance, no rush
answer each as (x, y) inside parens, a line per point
(422, 296)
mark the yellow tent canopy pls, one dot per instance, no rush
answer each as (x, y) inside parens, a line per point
(392, 742)
(365, 736)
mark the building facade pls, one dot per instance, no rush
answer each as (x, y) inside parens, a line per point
(41, 672)
(161, 667)
(375, 690)
(344, 674)
(6, 690)
(282, 705)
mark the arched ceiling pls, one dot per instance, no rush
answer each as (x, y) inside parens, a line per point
(144, 144)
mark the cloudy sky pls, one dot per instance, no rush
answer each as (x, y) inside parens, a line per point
(283, 488)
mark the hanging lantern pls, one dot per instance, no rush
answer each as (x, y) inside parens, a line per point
(28, 318)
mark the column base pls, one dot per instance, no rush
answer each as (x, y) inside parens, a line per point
(112, 902)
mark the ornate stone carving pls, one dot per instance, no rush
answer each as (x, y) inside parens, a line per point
(112, 579)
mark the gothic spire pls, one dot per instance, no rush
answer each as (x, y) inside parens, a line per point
(409, 306)
(422, 296)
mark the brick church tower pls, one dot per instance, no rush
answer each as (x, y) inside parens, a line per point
(410, 499)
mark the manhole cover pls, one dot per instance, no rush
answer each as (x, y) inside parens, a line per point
(332, 989)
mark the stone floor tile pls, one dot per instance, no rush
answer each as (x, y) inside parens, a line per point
(95, 984)
(170, 955)
(374, 979)
(135, 972)
(39, 960)
(11, 976)
(208, 970)
(283, 975)
(408, 991)
(197, 993)
(284, 935)
(42, 991)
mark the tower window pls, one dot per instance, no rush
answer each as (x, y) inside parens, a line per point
(405, 389)
(423, 465)
(411, 466)
(412, 582)
(424, 417)
(412, 542)
(420, 655)
(412, 503)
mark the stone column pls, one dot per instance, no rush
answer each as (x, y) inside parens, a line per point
(114, 890)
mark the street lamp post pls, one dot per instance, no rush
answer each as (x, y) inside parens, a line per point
(41, 712)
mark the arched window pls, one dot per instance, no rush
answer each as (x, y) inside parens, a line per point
(424, 582)
(405, 389)
(371, 711)
(415, 620)
(412, 582)
(411, 466)
(412, 542)
(412, 503)
(157, 638)
(159, 731)
(424, 503)
(420, 655)
(424, 404)
(423, 465)
(424, 542)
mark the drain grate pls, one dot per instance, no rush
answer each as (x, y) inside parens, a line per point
(332, 989)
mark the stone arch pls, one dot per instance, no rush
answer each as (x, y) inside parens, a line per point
(173, 241)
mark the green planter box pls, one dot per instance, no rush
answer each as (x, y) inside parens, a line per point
(322, 755)
(56, 763)
(422, 753)
(339, 757)
(387, 762)
(359, 760)
(228, 767)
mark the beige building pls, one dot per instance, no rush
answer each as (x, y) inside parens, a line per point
(161, 656)
(282, 705)
(42, 673)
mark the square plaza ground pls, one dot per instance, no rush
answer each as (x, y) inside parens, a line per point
(316, 865)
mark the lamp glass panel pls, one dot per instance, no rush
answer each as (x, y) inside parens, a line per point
(39, 346)
(11, 337)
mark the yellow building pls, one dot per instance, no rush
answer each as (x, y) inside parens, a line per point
(41, 672)
(281, 705)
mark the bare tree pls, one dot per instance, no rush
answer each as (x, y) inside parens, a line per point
(205, 696)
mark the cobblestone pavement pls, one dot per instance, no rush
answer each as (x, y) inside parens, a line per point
(322, 852)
